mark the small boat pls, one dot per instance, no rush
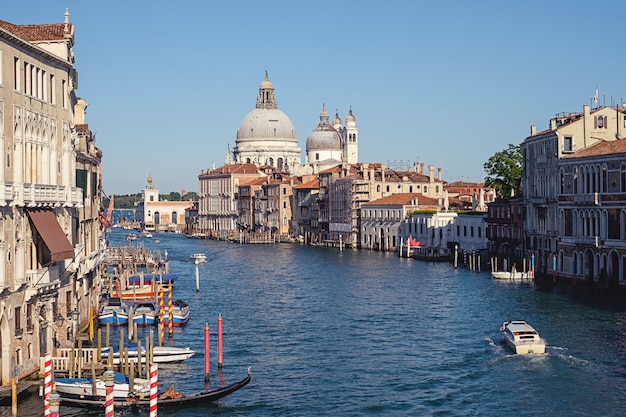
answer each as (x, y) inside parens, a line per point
(180, 314)
(131, 236)
(198, 257)
(161, 354)
(513, 275)
(83, 387)
(522, 337)
(134, 293)
(144, 314)
(114, 312)
(146, 233)
(170, 398)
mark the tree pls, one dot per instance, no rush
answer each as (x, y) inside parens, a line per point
(504, 171)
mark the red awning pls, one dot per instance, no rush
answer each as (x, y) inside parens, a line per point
(46, 224)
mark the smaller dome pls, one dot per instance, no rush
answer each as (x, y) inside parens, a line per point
(324, 137)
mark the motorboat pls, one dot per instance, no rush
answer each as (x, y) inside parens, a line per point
(144, 314)
(84, 387)
(513, 275)
(135, 280)
(131, 236)
(114, 312)
(160, 354)
(522, 337)
(180, 314)
(198, 257)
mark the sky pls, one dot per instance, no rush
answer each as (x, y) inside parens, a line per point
(445, 83)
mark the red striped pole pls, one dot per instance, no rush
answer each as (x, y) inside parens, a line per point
(207, 354)
(170, 313)
(47, 383)
(219, 341)
(109, 407)
(154, 388)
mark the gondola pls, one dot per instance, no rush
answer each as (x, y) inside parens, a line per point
(180, 400)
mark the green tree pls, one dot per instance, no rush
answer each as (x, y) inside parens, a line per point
(504, 171)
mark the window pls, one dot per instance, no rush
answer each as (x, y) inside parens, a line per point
(317, 156)
(568, 144)
(64, 93)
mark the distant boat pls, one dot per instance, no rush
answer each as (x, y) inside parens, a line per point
(199, 257)
(131, 236)
(513, 275)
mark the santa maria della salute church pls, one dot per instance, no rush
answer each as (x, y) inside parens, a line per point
(266, 136)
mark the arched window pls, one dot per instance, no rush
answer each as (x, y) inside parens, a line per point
(174, 217)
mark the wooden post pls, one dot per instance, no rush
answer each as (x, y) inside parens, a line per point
(99, 351)
(80, 358)
(93, 379)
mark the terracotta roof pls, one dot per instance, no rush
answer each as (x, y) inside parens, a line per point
(38, 33)
(600, 148)
(253, 181)
(315, 184)
(404, 199)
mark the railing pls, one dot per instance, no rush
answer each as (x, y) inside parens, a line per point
(19, 194)
(591, 198)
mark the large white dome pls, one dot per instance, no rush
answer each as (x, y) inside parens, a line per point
(266, 125)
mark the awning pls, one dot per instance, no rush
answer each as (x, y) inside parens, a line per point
(46, 224)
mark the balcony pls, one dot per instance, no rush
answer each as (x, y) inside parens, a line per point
(38, 195)
(19, 333)
(587, 199)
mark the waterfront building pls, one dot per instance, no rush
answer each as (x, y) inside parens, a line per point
(50, 238)
(382, 220)
(160, 215)
(218, 213)
(343, 189)
(305, 208)
(592, 214)
(542, 154)
(279, 206)
(249, 205)
(505, 232)
(433, 229)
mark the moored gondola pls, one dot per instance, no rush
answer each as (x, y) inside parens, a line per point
(178, 400)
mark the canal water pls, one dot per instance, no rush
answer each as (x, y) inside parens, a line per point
(366, 333)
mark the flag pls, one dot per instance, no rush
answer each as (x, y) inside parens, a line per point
(595, 97)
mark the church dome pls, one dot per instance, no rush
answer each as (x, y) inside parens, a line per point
(324, 136)
(266, 124)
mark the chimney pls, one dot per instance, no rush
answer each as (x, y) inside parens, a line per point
(439, 173)
(533, 130)
(431, 173)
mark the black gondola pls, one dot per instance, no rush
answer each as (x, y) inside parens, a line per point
(196, 398)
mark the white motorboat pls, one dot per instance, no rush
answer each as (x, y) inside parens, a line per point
(522, 337)
(512, 275)
(199, 257)
(161, 354)
(83, 387)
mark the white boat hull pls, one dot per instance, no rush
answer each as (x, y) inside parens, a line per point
(162, 354)
(514, 276)
(85, 388)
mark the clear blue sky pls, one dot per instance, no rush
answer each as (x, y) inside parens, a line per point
(447, 83)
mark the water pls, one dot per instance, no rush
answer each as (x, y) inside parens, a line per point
(367, 333)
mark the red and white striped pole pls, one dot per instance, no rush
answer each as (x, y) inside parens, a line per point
(207, 354)
(47, 383)
(219, 341)
(109, 406)
(154, 388)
